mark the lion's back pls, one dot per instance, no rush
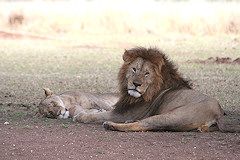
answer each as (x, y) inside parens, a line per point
(182, 97)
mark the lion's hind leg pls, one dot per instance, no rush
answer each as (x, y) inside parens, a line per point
(143, 126)
(208, 126)
(185, 118)
(148, 124)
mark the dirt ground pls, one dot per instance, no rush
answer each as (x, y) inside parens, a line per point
(68, 140)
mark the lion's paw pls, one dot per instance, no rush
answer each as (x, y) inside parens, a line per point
(109, 126)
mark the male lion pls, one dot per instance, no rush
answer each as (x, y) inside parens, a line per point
(69, 104)
(154, 96)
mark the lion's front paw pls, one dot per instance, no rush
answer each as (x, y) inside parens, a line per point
(109, 126)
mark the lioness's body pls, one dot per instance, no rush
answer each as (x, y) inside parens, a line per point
(68, 104)
(154, 96)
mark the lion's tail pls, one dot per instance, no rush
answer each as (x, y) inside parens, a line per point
(226, 127)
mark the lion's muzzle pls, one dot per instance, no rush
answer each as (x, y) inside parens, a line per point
(134, 93)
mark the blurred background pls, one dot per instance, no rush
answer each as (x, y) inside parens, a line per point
(74, 17)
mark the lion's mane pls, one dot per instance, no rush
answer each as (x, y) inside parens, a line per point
(166, 77)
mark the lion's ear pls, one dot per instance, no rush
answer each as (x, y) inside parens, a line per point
(48, 92)
(126, 56)
(160, 62)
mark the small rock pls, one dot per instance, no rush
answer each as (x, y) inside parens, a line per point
(6, 123)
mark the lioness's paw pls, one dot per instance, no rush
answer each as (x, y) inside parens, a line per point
(74, 119)
(108, 125)
(65, 115)
(80, 117)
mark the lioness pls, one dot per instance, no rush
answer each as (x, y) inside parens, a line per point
(154, 96)
(68, 104)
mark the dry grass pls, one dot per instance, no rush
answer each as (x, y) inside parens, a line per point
(117, 16)
(27, 66)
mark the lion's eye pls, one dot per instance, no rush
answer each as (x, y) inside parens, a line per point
(147, 74)
(134, 70)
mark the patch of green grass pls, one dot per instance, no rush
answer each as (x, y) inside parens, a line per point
(28, 127)
(65, 126)
(104, 137)
(100, 152)
(47, 124)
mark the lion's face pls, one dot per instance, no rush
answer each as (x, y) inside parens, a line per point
(140, 76)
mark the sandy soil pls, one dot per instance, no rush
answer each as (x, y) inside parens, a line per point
(68, 140)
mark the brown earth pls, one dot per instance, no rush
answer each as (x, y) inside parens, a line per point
(42, 138)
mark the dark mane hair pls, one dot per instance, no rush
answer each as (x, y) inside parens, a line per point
(167, 77)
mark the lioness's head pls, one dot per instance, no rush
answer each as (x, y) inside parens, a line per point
(52, 106)
(140, 75)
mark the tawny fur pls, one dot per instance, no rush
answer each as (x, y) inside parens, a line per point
(74, 102)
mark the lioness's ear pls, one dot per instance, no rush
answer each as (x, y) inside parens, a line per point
(48, 92)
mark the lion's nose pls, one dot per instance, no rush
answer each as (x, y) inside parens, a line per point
(136, 84)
